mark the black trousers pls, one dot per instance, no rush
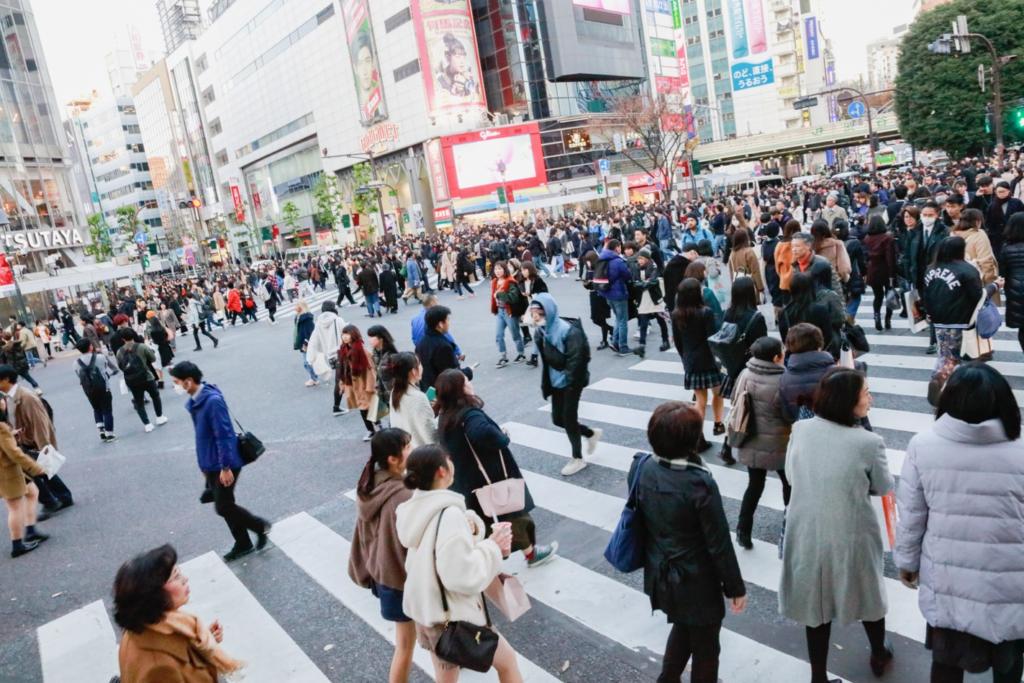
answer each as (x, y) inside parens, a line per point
(684, 642)
(817, 645)
(755, 487)
(239, 520)
(565, 410)
(344, 291)
(103, 409)
(201, 327)
(271, 310)
(139, 400)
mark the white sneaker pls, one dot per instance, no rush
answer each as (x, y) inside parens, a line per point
(593, 440)
(149, 427)
(574, 465)
(162, 420)
(368, 437)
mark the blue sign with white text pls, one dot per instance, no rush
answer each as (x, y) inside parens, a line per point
(855, 109)
(811, 31)
(746, 75)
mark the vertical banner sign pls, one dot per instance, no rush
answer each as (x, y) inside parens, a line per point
(738, 29)
(679, 34)
(362, 50)
(811, 31)
(438, 177)
(448, 56)
(257, 203)
(236, 199)
(6, 275)
(755, 27)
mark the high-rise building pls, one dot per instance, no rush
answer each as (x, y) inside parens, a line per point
(883, 59)
(180, 21)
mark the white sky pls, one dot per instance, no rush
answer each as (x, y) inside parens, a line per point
(77, 34)
(851, 25)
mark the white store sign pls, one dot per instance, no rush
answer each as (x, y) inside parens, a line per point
(43, 239)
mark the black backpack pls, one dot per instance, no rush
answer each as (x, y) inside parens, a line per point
(91, 378)
(135, 371)
(600, 279)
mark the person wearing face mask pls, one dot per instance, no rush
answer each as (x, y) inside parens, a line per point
(218, 457)
(924, 233)
(999, 211)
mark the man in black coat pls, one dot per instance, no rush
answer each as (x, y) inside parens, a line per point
(436, 350)
(344, 284)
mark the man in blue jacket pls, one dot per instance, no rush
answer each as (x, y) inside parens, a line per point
(663, 232)
(219, 461)
(615, 292)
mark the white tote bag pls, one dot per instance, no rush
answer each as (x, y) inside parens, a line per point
(50, 460)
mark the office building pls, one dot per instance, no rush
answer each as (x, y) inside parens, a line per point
(180, 21)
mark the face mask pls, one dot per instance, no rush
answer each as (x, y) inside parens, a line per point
(927, 222)
(179, 390)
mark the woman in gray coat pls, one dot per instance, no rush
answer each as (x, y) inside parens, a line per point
(961, 530)
(832, 551)
(766, 449)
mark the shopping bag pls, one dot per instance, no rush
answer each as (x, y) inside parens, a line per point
(918, 321)
(509, 596)
(50, 460)
(123, 387)
(846, 357)
(373, 411)
(885, 512)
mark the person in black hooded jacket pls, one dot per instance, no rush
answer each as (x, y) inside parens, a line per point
(1011, 266)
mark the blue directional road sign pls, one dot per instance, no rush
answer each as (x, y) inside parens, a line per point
(856, 109)
(604, 165)
(140, 237)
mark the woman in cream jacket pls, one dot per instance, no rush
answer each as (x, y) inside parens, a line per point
(443, 537)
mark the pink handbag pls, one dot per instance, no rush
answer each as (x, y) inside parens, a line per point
(500, 497)
(508, 595)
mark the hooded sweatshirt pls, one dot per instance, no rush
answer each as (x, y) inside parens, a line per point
(216, 441)
(376, 554)
(466, 561)
(326, 338)
(554, 332)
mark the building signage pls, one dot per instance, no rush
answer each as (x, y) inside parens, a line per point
(43, 239)
(236, 199)
(663, 48)
(479, 162)
(362, 50)
(660, 6)
(576, 140)
(448, 56)
(679, 34)
(379, 138)
(756, 34)
(435, 163)
(667, 85)
(257, 201)
(746, 75)
(6, 275)
(811, 31)
(738, 29)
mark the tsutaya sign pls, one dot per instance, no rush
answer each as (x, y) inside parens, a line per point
(43, 239)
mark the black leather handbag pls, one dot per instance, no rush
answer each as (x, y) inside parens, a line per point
(250, 448)
(462, 643)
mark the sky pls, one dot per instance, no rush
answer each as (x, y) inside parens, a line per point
(77, 35)
(852, 25)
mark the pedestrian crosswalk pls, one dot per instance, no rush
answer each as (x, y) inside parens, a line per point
(606, 613)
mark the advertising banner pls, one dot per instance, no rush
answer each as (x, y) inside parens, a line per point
(663, 48)
(6, 275)
(479, 162)
(684, 74)
(435, 164)
(616, 6)
(738, 29)
(448, 56)
(756, 34)
(236, 200)
(811, 31)
(362, 50)
(746, 75)
(667, 85)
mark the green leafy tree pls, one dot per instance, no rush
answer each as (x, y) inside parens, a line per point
(329, 207)
(938, 101)
(290, 215)
(364, 202)
(99, 246)
(128, 224)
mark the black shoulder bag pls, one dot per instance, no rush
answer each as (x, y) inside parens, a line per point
(462, 643)
(250, 448)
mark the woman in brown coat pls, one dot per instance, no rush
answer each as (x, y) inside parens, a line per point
(743, 260)
(18, 492)
(357, 375)
(162, 644)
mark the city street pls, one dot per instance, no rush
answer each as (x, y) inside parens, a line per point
(291, 611)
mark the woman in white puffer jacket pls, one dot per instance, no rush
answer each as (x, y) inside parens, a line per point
(446, 541)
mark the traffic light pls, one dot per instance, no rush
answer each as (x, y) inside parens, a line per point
(196, 203)
(1018, 118)
(501, 195)
(145, 261)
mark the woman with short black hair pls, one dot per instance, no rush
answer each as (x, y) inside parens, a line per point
(968, 566)
(149, 591)
(825, 576)
(692, 324)
(689, 563)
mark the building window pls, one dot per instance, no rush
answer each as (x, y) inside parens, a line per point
(396, 20)
(215, 127)
(201, 63)
(275, 135)
(222, 157)
(407, 70)
(209, 96)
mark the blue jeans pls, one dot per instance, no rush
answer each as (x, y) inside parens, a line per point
(543, 266)
(666, 246)
(309, 368)
(620, 333)
(852, 305)
(505, 319)
(559, 260)
(373, 303)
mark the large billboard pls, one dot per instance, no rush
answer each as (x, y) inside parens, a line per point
(479, 162)
(448, 56)
(616, 6)
(362, 50)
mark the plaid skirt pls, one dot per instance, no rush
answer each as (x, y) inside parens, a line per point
(703, 380)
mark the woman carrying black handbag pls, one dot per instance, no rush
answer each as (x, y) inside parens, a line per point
(448, 565)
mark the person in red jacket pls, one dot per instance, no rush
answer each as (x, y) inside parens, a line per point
(234, 304)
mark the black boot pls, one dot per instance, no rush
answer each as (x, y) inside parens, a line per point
(743, 539)
(726, 455)
(878, 321)
(888, 319)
